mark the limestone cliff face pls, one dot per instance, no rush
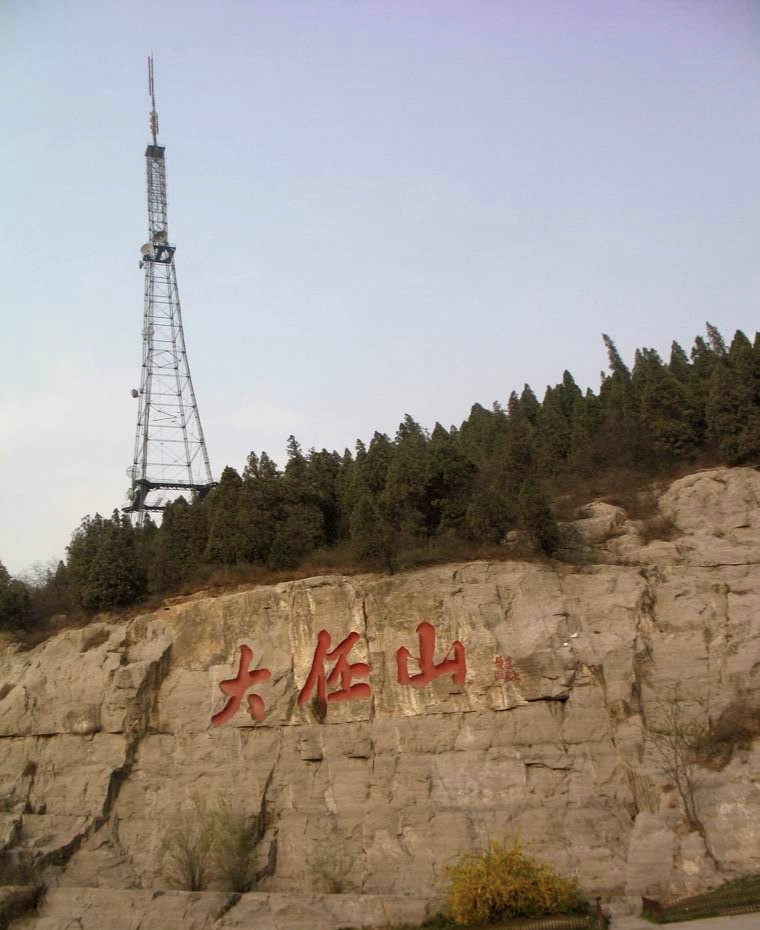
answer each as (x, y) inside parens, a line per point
(106, 731)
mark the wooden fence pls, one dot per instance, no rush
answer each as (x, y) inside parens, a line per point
(739, 897)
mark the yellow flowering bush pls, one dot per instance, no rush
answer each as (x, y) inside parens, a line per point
(503, 882)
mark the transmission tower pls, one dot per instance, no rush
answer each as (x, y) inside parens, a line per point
(170, 452)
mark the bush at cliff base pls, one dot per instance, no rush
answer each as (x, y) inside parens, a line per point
(503, 882)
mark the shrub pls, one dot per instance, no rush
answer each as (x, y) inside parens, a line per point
(234, 841)
(186, 852)
(503, 882)
(330, 872)
(206, 843)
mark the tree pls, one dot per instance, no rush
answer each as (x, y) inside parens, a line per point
(619, 415)
(675, 729)
(371, 537)
(15, 603)
(113, 578)
(536, 517)
(667, 422)
(261, 505)
(403, 502)
(448, 483)
(81, 552)
(227, 543)
(179, 544)
(102, 563)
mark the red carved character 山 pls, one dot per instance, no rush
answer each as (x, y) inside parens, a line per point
(236, 687)
(454, 666)
(343, 671)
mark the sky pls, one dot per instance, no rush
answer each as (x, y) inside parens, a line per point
(380, 207)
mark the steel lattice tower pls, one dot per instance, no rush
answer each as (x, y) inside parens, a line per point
(170, 451)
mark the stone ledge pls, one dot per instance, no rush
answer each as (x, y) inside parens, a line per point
(112, 909)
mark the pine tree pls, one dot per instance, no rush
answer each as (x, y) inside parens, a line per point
(403, 502)
(553, 433)
(733, 404)
(618, 436)
(179, 544)
(448, 483)
(261, 505)
(15, 602)
(81, 553)
(227, 543)
(113, 578)
(679, 363)
(371, 537)
(536, 517)
(302, 528)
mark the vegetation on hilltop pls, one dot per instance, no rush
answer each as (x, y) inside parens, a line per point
(423, 496)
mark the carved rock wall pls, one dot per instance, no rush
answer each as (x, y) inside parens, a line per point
(105, 732)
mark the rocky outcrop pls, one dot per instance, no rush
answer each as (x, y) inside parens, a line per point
(570, 673)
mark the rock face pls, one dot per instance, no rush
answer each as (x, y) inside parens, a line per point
(558, 730)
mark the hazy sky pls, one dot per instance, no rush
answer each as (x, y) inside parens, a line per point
(380, 207)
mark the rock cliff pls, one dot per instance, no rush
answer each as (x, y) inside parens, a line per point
(473, 700)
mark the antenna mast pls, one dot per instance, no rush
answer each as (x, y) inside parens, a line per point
(170, 455)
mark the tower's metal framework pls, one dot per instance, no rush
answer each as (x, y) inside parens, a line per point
(170, 451)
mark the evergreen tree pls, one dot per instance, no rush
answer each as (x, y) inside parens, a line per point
(371, 536)
(585, 430)
(733, 404)
(261, 505)
(448, 483)
(15, 602)
(113, 578)
(81, 553)
(679, 363)
(715, 339)
(536, 517)
(302, 528)
(227, 543)
(619, 412)
(479, 433)
(179, 544)
(553, 433)
(403, 502)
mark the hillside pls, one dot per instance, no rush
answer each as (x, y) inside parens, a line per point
(547, 720)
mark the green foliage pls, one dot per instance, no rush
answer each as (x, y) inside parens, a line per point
(503, 882)
(15, 602)
(103, 564)
(177, 547)
(418, 496)
(536, 517)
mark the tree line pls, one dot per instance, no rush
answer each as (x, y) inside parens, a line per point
(419, 491)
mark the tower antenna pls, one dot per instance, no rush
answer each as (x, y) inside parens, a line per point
(170, 456)
(152, 92)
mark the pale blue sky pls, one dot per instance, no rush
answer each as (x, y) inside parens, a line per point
(380, 207)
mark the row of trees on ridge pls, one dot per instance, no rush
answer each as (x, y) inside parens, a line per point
(421, 491)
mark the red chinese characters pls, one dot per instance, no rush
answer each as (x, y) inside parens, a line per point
(505, 670)
(236, 687)
(343, 671)
(451, 665)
